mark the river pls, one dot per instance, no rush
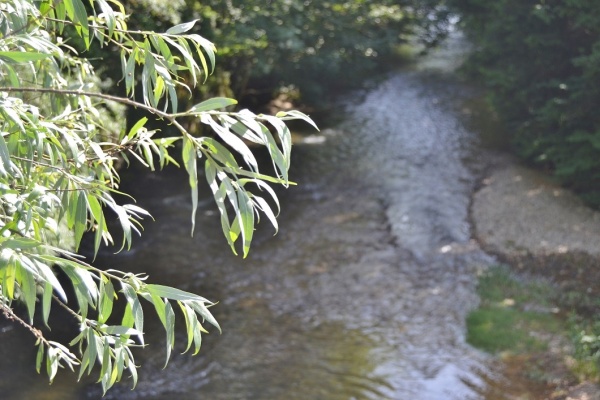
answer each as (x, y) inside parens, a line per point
(362, 294)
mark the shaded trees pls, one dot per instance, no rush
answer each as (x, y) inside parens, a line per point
(314, 47)
(541, 61)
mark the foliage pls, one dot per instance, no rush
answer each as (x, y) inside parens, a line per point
(584, 333)
(58, 173)
(585, 336)
(316, 47)
(541, 61)
(309, 47)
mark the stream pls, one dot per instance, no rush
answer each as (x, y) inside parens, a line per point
(364, 291)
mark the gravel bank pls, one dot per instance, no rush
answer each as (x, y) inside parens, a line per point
(519, 212)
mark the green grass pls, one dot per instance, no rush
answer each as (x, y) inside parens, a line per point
(515, 320)
(503, 322)
(499, 283)
(496, 330)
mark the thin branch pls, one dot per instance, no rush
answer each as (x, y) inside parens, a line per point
(109, 97)
(10, 315)
(123, 100)
(69, 310)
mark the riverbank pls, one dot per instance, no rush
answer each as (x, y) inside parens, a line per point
(542, 230)
(532, 223)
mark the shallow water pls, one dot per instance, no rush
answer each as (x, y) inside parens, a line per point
(364, 291)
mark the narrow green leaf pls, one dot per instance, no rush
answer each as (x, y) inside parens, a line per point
(280, 161)
(39, 357)
(265, 208)
(120, 330)
(263, 186)
(128, 319)
(159, 306)
(212, 104)
(190, 323)
(106, 371)
(85, 363)
(46, 302)
(129, 72)
(5, 163)
(98, 215)
(173, 293)
(134, 131)
(105, 305)
(20, 243)
(189, 160)
(109, 15)
(209, 48)
(133, 370)
(80, 221)
(51, 363)
(234, 141)
(13, 77)
(170, 328)
(219, 153)
(92, 349)
(28, 288)
(285, 137)
(47, 274)
(181, 28)
(120, 362)
(246, 213)
(201, 309)
(294, 114)
(136, 309)
(81, 17)
(22, 56)
(197, 339)
(219, 194)
(125, 225)
(8, 280)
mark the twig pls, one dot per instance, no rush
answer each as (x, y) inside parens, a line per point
(10, 315)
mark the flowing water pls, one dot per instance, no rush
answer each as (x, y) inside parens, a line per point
(364, 291)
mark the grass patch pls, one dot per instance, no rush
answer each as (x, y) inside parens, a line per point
(514, 314)
(497, 330)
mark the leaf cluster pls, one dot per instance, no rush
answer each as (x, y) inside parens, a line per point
(59, 176)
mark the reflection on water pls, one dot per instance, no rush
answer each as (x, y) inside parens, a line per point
(363, 293)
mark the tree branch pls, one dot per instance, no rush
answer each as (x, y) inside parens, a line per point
(123, 100)
(10, 315)
(117, 99)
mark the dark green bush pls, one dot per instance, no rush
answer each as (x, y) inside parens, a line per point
(540, 60)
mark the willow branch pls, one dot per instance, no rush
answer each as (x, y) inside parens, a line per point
(109, 97)
(10, 315)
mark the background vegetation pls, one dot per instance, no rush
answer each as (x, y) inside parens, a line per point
(303, 48)
(540, 61)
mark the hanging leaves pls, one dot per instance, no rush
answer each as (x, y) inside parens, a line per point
(58, 175)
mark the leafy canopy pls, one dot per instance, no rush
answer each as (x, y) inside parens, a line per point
(59, 146)
(541, 62)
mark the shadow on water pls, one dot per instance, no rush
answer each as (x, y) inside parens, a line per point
(363, 293)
